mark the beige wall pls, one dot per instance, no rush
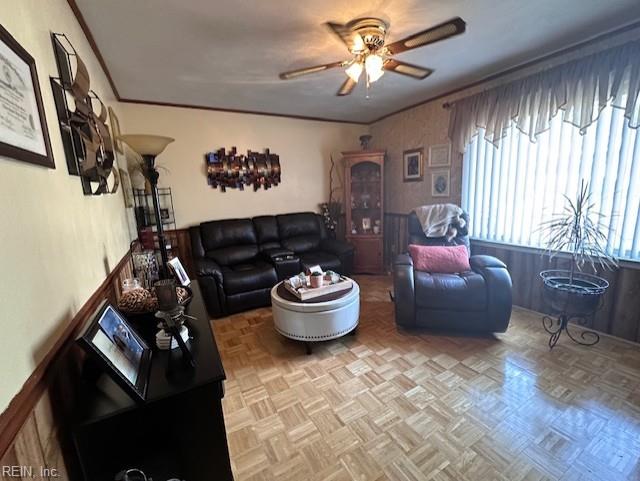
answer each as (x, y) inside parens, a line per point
(57, 244)
(428, 124)
(303, 146)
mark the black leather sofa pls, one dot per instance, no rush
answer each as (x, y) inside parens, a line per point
(238, 261)
(472, 301)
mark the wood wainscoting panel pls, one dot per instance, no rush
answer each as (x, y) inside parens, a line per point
(396, 238)
(625, 304)
(620, 311)
(32, 431)
(184, 249)
(33, 427)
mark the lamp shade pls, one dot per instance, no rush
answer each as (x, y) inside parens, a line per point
(354, 71)
(374, 66)
(145, 144)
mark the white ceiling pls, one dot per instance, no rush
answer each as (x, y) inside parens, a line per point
(227, 54)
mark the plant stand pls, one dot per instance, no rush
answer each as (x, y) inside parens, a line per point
(556, 326)
(572, 295)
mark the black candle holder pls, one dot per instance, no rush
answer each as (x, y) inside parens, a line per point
(166, 293)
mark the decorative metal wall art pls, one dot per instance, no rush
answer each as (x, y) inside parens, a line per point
(88, 145)
(233, 170)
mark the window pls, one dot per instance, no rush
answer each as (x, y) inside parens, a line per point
(508, 191)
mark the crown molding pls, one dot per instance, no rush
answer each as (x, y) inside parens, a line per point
(475, 83)
(92, 42)
(517, 68)
(96, 51)
(239, 111)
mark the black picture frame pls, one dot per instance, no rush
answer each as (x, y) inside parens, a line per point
(413, 165)
(95, 329)
(13, 151)
(179, 272)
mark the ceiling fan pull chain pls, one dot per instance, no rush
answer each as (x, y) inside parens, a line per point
(368, 87)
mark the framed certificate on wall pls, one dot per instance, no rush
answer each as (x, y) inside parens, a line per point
(440, 155)
(23, 127)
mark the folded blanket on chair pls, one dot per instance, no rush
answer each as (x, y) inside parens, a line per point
(440, 220)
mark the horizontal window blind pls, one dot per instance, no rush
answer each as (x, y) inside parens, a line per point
(510, 190)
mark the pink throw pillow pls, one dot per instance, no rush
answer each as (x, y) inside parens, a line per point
(444, 260)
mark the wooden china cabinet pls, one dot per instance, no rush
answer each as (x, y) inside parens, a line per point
(364, 202)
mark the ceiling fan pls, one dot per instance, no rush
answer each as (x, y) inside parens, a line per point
(365, 39)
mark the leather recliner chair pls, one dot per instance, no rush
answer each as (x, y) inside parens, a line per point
(233, 277)
(472, 301)
(238, 261)
(305, 235)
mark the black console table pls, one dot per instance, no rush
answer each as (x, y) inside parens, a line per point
(178, 432)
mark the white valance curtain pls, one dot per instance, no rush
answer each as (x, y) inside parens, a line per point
(581, 89)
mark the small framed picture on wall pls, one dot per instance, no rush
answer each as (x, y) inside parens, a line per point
(440, 180)
(412, 165)
(440, 155)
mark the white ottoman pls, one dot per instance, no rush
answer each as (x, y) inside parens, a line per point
(315, 321)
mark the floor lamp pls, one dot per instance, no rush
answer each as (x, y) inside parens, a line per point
(149, 147)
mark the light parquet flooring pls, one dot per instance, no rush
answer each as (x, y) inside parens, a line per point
(388, 404)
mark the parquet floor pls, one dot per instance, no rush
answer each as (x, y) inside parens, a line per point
(396, 405)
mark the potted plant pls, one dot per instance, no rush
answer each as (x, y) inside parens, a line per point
(332, 210)
(316, 279)
(578, 231)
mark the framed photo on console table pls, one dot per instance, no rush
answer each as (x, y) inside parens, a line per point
(181, 274)
(118, 349)
(23, 126)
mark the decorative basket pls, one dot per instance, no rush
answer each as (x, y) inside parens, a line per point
(144, 320)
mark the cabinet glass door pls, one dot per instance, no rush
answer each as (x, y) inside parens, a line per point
(366, 201)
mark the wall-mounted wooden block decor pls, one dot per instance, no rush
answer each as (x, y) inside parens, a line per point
(233, 170)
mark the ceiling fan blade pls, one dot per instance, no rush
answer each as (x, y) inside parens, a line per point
(291, 74)
(452, 27)
(352, 40)
(403, 68)
(347, 87)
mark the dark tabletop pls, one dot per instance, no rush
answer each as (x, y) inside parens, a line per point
(167, 376)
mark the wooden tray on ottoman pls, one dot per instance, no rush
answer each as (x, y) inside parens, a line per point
(310, 293)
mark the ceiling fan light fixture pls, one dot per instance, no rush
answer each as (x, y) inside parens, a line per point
(365, 38)
(373, 65)
(358, 45)
(354, 71)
